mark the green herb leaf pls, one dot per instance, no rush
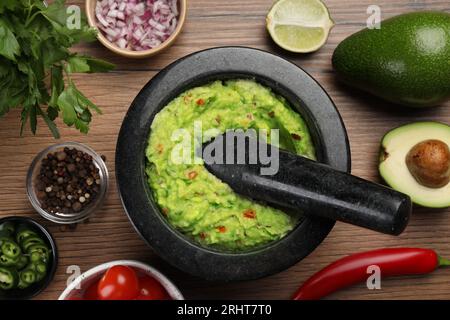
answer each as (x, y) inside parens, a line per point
(9, 47)
(57, 15)
(75, 108)
(50, 123)
(8, 5)
(24, 119)
(82, 126)
(76, 64)
(12, 86)
(52, 53)
(57, 86)
(52, 113)
(33, 118)
(66, 103)
(35, 42)
(97, 65)
(85, 102)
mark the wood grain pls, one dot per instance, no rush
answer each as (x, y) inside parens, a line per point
(109, 235)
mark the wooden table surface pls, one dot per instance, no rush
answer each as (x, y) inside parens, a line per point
(108, 235)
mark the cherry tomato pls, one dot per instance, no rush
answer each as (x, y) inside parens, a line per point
(91, 292)
(151, 289)
(118, 283)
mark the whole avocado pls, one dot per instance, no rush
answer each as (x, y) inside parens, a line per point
(406, 61)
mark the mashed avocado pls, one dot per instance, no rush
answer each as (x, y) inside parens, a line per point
(196, 202)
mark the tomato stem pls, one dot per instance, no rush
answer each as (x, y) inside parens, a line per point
(442, 262)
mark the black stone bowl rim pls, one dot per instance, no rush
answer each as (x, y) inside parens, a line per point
(36, 288)
(285, 78)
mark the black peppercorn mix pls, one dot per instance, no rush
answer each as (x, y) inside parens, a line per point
(68, 181)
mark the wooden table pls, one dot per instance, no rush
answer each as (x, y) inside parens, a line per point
(108, 235)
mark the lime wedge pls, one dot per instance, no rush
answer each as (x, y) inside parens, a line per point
(299, 25)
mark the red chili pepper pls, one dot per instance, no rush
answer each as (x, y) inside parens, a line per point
(250, 214)
(353, 269)
(192, 175)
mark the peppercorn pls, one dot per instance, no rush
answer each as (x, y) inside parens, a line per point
(89, 181)
(68, 181)
(71, 167)
(77, 206)
(41, 195)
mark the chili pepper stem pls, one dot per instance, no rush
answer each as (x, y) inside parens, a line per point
(442, 262)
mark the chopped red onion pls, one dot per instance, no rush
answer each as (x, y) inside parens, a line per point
(137, 24)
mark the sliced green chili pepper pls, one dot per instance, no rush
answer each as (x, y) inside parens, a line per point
(6, 261)
(23, 285)
(24, 256)
(36, 256)
(30, 241)
(7, 226)
(41, 267)
(28, 275)
(42, 249)
(24, 233)
(8, 278)
(5, 236)
(22, 263)
(11, 249)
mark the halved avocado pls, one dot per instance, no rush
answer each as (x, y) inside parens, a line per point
(415, 160)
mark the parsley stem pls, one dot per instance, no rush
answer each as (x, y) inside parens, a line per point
(30, 7)
(30, 19)
(67, 74)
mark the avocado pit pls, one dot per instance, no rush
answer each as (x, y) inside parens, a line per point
(429, 163)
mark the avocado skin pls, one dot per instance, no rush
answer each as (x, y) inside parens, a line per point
(407, 61)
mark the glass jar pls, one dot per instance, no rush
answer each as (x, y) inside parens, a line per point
(71, 217)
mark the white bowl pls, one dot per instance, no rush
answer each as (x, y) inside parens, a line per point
(86, 279)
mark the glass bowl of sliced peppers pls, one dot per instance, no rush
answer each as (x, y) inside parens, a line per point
(28, 258)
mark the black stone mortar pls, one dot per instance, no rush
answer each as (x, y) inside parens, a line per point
(303, 93)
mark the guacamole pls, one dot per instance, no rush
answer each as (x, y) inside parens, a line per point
(196, 202)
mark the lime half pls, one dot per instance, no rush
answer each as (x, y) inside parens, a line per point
(299, 25)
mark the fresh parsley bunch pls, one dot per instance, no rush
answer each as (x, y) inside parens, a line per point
(36, 64)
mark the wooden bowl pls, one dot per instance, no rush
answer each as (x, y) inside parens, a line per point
(92, 20)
